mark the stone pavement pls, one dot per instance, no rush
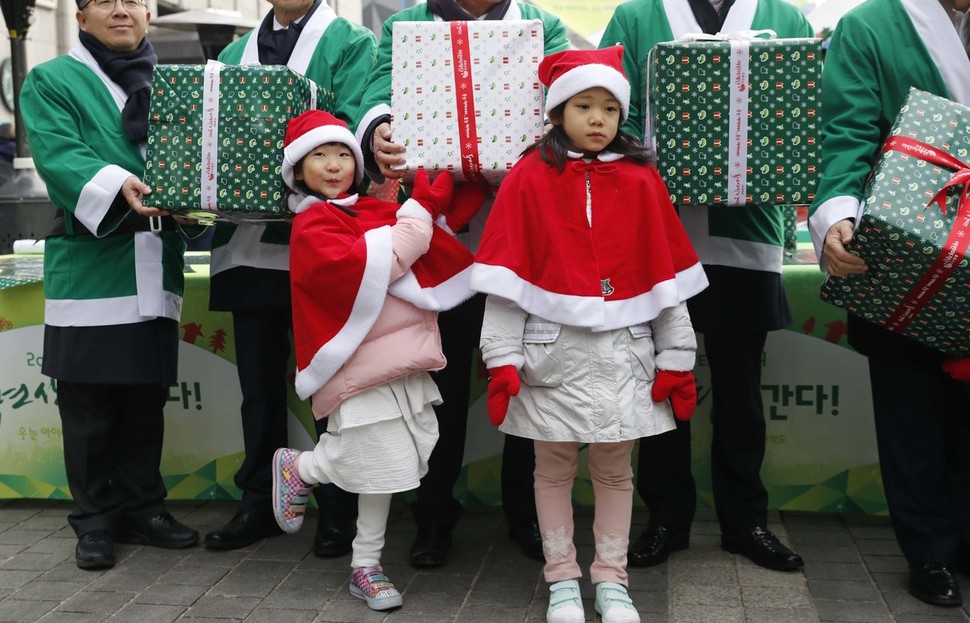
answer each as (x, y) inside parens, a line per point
(853, 572)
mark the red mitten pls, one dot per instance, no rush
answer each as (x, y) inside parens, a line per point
(680, 389)
(465, 204)
(958, 368)
(433, 197)
(502, 385)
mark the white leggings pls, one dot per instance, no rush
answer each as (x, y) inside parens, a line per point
(372, 512)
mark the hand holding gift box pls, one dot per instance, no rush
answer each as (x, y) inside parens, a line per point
(466, 96)
(215, 138)
(735, 118)
(914, 230)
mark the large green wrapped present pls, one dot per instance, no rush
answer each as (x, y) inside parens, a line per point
(736, 121)
(915, 228)
(215, 137)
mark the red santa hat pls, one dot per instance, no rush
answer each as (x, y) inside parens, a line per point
(310, 130)
(570, 72)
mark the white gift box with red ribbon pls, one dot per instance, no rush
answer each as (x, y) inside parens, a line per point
(466, 96)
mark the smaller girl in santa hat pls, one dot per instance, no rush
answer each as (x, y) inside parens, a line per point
(367, 279)
(586, 333)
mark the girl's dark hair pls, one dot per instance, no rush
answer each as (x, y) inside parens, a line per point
(554, 144)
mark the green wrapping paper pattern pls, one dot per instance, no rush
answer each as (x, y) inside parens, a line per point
(690, 90)
(900, 237)
(254, 104)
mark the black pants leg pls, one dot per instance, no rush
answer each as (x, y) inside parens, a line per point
(923, 433)
(738, 422)
(262, 339)
(664, 478)
(112, 451)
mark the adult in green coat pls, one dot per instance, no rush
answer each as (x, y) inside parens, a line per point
(741, 251)
(436, 510)
(112, 280)
(250, 265)
(922, 415)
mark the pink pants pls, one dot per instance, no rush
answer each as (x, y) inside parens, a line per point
(609, 466)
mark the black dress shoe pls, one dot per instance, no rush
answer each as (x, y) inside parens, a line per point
(162, 530)
(934, 583)
(95, 550)
(655, 545)
(529, 537)
(430, 547)
(245, 528)
(763, 549)
(332, 539)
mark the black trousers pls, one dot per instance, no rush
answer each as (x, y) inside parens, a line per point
(664, 479)
(922, 421)
(262, 341)
(112, 452)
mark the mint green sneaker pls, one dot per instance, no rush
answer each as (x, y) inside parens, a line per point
(565, 604)
(614, 604)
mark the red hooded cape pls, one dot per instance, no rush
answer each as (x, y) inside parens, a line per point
(618, 266)
(340, 266)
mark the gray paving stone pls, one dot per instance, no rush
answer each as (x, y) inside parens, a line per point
(835, 571)
(779, 615)
(708, 614)
(271, 615)
(14, 579)
(686, 595)
(143, 613)
(886, 564)
(171, 594)
(844, 590)
(851, 611)
(222, 606)
(17, 610)
(48, 590)
(107, 603)
(829, 553)
(775, 597)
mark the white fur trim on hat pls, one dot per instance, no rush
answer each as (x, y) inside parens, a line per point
(585, 77)
(300, 147)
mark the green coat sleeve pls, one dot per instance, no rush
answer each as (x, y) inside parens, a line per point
(344, 58)
(80, 151)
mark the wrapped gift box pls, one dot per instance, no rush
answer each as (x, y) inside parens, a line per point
(466, 96)
(914, 230)
(215, 137)
(736, 121)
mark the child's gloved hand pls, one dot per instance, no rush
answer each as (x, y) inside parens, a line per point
(465, 204)
(502, 385)
(680, 389)
(958, 368)
(433, 197)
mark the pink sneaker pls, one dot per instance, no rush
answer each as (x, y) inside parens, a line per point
(371, 585)
(289, 491)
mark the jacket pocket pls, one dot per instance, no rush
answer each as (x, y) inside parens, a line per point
(543, 354)
(642, 352)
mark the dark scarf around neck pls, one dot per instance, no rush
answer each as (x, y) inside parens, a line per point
(132, 71)
(449, 11)
(276, 46)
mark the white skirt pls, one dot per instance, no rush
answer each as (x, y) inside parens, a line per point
(378, 441)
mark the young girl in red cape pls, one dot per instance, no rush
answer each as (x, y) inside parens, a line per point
(586, 334)
(367, 278)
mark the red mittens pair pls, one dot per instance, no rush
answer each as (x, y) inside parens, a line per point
(958, 368)
(433, 197)
(502, 385)
(679, 388)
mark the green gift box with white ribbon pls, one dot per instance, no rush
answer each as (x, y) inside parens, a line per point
(737, 120)
(914, 230)
(215, 138)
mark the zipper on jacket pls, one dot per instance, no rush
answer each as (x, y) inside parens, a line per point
(589, 200)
